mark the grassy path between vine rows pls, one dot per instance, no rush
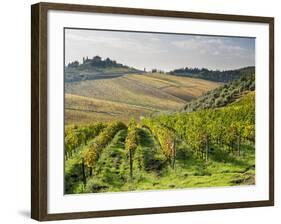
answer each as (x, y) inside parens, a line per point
(151, 170)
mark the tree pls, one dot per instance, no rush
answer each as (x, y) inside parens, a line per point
(73, 64)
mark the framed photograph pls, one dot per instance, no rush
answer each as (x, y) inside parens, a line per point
(139, 111)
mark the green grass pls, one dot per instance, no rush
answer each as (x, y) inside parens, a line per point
(152, 172)
(191, 173)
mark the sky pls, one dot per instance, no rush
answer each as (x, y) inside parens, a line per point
(161, 51)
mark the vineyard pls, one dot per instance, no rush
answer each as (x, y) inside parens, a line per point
(204, 148)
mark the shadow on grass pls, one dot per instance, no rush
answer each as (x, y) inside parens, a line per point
(153, 157)
(218, 155)
(186, 157)
(110, 165)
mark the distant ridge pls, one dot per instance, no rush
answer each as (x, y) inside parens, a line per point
(99, 68)
(214, 75)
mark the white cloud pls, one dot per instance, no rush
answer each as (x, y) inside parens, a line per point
(161, 50)
(124, 42)
(210, 45)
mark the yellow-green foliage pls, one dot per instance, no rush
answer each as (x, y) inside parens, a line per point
(165, 137)
(92, 151)
(226, 126)
(76, 136)
(131, 142)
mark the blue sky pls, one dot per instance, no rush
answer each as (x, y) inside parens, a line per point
(161, 51)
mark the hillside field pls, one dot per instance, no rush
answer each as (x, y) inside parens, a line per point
(130, 95)
(131, 130)
(207, 148)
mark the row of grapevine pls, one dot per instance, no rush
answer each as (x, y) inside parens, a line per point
(89, 153)
(77, 136)
(80, 165)
(165, 137)
(131, 143)
(226, 128)
(92, 151)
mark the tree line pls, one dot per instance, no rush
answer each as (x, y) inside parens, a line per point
(214, 75)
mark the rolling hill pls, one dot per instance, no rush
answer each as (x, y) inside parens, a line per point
(130, 95)
(102, 89)
(223, 95)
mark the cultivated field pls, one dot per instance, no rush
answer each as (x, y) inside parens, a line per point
(82, 110)
(132, 95)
